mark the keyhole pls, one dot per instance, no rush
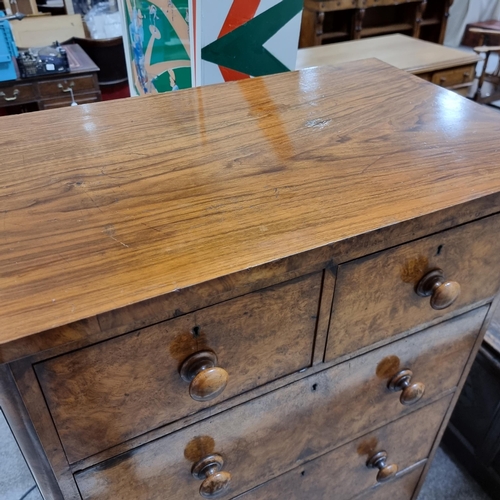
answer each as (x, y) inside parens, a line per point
(314, 387)
(195, 331)
(440, 247)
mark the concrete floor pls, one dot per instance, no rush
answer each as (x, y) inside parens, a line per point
(16, 481)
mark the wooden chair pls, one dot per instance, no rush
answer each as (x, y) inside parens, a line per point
(488, 87)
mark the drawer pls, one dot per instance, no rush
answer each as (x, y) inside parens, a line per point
(107, 393)
(454, 76)
(343, 473)
(17, 94)
(64, 102)
(56, 87)
(401, 488)
(425, 76)
(463, 90)
(375, 297)
(275, 433)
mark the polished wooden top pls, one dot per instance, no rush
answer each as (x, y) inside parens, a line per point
(404, 52)
(108, 204)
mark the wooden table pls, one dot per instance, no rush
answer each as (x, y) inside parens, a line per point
(273, 288)
(450, 68)
(52, 91)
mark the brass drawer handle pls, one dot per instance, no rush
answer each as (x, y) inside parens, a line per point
(411, 393)
(385, 471)
(207, 380)
(442, 292)
(13, 98)
(215, 480)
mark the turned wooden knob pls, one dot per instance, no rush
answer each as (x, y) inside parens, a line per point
(442, 292)
(206, 379)
(385, 471)
(215, 480)
(411, 393)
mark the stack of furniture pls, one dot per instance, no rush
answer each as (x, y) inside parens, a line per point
(326, 21)
(272, 289)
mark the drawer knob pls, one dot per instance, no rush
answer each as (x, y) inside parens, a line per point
(442, 292)
(402, 382)
(207, 380)
(385, 471)
(215, 480)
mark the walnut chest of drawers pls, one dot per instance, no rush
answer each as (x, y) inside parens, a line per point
(270, 289)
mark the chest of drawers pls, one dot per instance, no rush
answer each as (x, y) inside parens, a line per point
(271, 289)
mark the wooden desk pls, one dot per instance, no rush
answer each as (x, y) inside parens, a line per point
(449, 68)
(273, 288)
(51, 91)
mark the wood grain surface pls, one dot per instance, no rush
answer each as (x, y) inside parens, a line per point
(404, 52)
(401, 489)
(342, 474)
(321, 412)
(114, 203)
(375, 296)
(112, 391)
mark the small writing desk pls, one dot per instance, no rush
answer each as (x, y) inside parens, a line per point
(450, 68)
(52, 91)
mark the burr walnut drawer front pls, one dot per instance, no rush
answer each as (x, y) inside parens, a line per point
(372, 459)
(61, 86)
(401, 289)
(109, 392)
(402, 488)
(270, 435)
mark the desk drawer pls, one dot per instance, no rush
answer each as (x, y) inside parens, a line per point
(272, 434)
(375, 297)
(56, 87)
(343, 473)
(107, 393)
(454, 76)
(17, 94)
(64, 102)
